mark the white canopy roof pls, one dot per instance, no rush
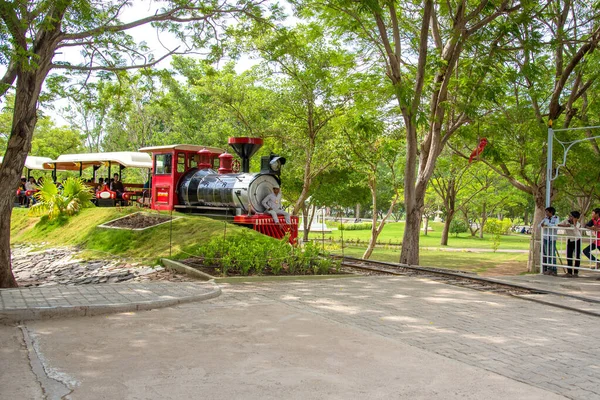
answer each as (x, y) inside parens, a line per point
(187, 147)
(32, 162)
(73, 162)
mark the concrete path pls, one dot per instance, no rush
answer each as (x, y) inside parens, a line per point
(586, 286)
(67, 301)
(353, 338)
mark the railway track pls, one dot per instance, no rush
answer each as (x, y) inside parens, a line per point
(467, 280)
(455, 278)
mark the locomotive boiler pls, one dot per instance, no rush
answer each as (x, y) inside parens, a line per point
(209, 181)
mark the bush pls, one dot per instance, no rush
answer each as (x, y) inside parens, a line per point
(247, 253)
(458, 226)
(54, 203)
(360, 226)
(496, 228)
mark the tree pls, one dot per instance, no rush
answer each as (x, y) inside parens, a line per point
(448, 180)
(423, 49)
(559, 40)
(32, 32)
(51, 141)
(373, 153)
(308, 71)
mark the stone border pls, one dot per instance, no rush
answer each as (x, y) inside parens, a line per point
(184, 269)
(180, 267)
(29, 314)
(105, 226)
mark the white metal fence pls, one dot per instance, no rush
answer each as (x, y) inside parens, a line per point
(562, 248)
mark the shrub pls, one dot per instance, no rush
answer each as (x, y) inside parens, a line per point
(247, 253)
(458, 226)
(496, 228)
(359, 226)
(54, 203)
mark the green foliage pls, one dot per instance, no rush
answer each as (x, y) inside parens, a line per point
(458, 226)
(69, 200)
(247, 254)
(360, 226)
(497, 228)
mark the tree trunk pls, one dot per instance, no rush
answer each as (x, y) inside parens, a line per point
(483, 219)
(526, 217)
(374, 232)
(533, 263)
(19, 144)
(449, 218)
(7, 279)
(410, 241)
(426, 225)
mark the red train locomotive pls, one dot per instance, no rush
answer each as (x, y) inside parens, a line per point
(208, 181)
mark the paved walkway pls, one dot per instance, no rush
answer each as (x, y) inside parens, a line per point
(62, 301)
(587, 286)
(542, 346)
(353, 338)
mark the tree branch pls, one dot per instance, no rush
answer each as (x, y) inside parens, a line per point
(113, 68)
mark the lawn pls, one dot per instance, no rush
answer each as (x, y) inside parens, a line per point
(483, 263)
(394, 231)
(187, 231)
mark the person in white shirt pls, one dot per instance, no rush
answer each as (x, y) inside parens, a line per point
(573, 242)
(549, 241)
(31, 187)
(272, 205)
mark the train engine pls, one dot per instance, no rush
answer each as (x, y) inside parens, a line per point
(208, 181)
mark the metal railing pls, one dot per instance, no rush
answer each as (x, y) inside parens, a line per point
(562, 248)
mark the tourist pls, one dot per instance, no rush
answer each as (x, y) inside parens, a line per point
(549, 241)
(573, 243)
(22, 198)
(31, 187)
(272, 204)
(594, 225)
(117, 186)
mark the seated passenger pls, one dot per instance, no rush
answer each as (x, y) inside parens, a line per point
(31, 186)
(272, 204)
(21, 192)
(117, 186)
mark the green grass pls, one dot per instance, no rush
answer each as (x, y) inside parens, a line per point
(393, 232)
(81, 231)
(480, 263)
(189, 231)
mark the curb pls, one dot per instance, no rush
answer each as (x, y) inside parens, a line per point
(30, 314)
(184, 269)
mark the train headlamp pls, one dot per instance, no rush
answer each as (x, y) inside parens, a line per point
(276, 162)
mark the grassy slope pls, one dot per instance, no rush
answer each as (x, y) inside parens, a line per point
(394, 232)
(81, 230)
(188, 231)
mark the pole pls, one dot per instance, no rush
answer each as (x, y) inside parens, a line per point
(171, 235)
(549, 166)
(323, 229)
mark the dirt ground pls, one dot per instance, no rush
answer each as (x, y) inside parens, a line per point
(138, 221)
